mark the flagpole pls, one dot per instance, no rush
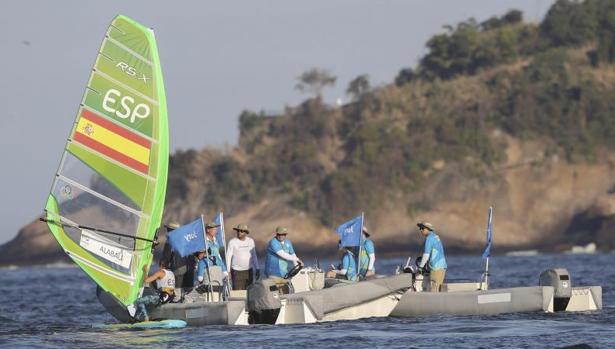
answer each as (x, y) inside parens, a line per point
(360, 245)
(210, 291)
(228, 267)
(489, 242)
(223, 232)
(486, 274)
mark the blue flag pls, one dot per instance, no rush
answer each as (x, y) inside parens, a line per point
(350, 232)
(220, 236)
(188, 238)
(487, 252)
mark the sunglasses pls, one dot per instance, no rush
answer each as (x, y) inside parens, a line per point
(242, 231)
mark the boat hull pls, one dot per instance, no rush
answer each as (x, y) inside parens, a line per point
(344, 301)
(348, 301)
(199, 313)
(496, 301)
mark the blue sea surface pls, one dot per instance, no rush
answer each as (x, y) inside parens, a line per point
(56, 307)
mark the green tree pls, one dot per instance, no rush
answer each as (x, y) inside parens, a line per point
(358, 86)
(314, 80)
(571, 23)
(605, 51)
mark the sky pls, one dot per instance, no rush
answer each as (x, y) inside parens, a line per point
(218, 58)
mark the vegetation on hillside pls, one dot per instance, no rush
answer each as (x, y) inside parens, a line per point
(551, 82)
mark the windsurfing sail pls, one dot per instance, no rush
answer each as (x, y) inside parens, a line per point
(107, 196)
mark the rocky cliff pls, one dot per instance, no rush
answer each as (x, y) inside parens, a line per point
(539, 202)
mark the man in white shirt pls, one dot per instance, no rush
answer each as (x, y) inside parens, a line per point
(241, 257)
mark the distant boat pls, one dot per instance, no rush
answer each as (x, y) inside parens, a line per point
(522, 253)
(587, 249)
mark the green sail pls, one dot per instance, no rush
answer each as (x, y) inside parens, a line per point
(113, 172)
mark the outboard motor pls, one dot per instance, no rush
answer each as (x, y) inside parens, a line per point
(559, 278)
(264, 302)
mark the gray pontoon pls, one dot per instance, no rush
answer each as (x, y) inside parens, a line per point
(309, 298)
(304, 298)
(554, 293)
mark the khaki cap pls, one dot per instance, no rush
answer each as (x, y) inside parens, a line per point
(211, 225)
(427, 225)
(281, 231)
(365, 231)
(242, 227)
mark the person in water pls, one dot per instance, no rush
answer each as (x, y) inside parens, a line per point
(182, 267)
(281, 257)
(165, 287)
(367, 257)
(433, 253)
(211, 256)
(348, 268)
(241, 258)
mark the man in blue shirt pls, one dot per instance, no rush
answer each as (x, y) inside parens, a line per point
(433, 253)
(367, 257)
(348, 268)
(281, 255)
(211, 256)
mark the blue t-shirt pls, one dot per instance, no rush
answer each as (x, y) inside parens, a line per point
(350, 265)
(368, 248)
(213, 259)
(433, 247)
(276, 265)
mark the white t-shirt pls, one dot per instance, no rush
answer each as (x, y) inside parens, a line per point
(241, 255)
(167, 282)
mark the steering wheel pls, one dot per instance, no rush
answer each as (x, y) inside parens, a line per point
(294, 271)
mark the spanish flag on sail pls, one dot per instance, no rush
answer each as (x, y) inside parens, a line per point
(116, 142)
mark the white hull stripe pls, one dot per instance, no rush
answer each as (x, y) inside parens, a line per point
(116, 275)
(494, 298)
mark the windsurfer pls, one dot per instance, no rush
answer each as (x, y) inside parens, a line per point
(165, 287)
(182, 267)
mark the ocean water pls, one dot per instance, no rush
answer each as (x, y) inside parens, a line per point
(56, 307)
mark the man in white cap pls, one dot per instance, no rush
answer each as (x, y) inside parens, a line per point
(433, 253)
(241, 258)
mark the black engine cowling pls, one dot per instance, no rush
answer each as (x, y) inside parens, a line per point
(264, 301)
